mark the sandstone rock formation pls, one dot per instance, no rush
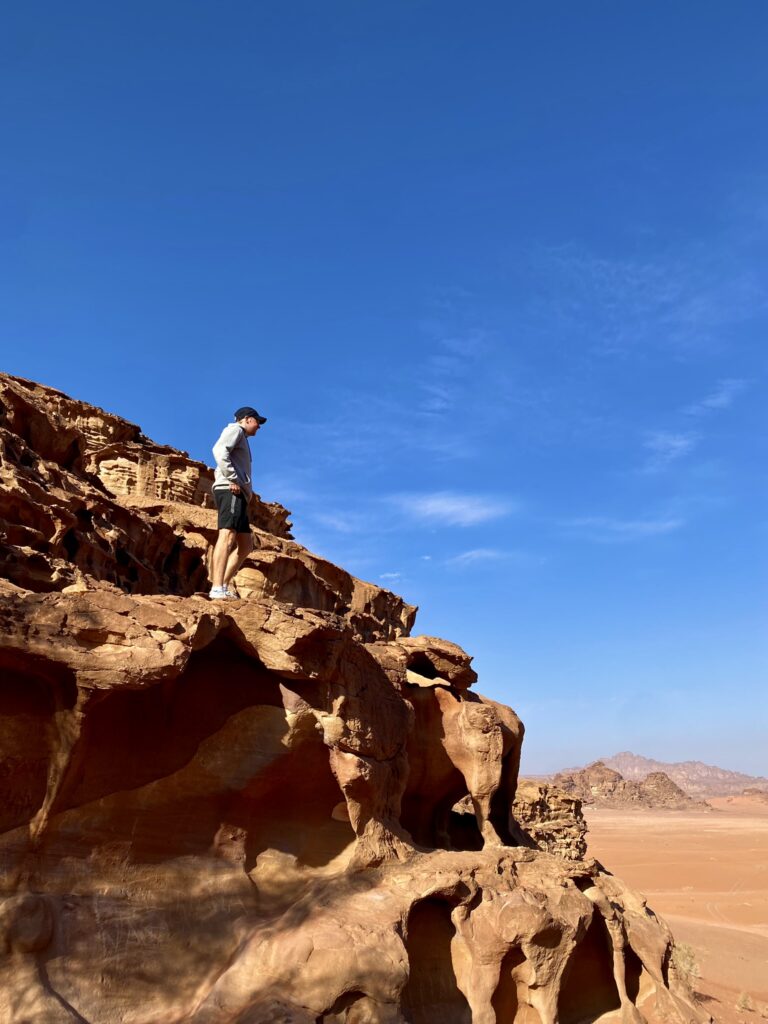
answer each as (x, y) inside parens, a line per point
(246, 812)
(597, 784)
(694, 777)
(551, 818)
(660, 791)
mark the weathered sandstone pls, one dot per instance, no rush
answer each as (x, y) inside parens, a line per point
(695, 778)
(551, 819)
(597, 784)
(277, 810)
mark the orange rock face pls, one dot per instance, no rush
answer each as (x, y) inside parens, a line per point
(274, 810)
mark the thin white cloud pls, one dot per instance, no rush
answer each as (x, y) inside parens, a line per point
(457, 358)
(447, 508)
(721, 398)
(369, 427)
(342, 522)
(682, 300)
(446, 366)
(273, 487)
(390, 575)
(666, 448)
(439, 398)
(608, 529)
(467, 345)
(477, 555)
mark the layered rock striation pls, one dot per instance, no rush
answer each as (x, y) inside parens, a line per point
(255, 812)
(551, 818)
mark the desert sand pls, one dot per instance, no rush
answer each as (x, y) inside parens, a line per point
(707, 875)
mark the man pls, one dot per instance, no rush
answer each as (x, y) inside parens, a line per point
(232, 490)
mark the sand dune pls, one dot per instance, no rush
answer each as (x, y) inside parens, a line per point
(707, 874)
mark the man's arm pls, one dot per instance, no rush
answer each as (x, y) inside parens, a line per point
(230, 436)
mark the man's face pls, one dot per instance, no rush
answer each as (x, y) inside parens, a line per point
(250, 425)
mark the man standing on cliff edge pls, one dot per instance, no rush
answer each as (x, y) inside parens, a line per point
(232, 490)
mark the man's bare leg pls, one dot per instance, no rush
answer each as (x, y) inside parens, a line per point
(226, 545)
(238, 555)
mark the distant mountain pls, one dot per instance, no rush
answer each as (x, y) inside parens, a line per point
(605, 787)
(693, 777)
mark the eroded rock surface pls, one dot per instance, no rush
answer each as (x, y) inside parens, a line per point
(602, 786)
(551, 818)
(278, 810)
(695, 778)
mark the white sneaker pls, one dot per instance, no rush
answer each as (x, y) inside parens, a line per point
(232, 591)
(220, 594)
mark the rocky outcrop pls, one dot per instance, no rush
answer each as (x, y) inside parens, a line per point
(660, 791)
(597, 784)
(87, 501)
(551, 819)
(249, 812)
(695, 778)
(602, 786)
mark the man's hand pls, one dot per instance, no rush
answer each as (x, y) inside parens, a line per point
(235, 488)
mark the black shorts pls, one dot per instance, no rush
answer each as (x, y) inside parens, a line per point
(233, 510)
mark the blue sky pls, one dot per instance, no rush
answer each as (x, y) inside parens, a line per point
(496, 273)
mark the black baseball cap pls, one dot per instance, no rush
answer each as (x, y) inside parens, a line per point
(248, 410)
